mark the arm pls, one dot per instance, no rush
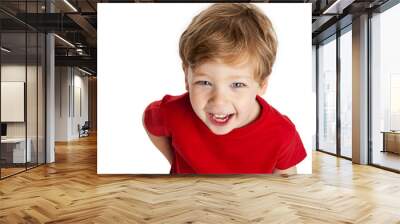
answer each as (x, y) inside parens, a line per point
(291, 154)
(163, 144)
(288, 172)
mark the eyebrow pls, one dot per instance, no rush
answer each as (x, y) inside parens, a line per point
(199, 74)
(231, 77)
(239, 77)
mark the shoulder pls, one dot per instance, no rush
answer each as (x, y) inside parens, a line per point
(276, 120)
(287, 142)
(170, 106)
(173, 103)
(158, 113)
(169, 101)
(277, 126)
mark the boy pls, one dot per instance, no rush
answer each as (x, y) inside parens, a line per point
(222, 125)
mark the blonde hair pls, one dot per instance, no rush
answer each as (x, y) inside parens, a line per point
(233, 33)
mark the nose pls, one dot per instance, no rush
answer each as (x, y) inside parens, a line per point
(218, 97)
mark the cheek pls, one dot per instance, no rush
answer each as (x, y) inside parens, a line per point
(200, 94)
(244, 103)
(198, 98)
(243, 96)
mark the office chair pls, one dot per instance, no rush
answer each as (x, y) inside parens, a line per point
(84, 130)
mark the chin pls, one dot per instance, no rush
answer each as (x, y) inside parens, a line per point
(220, 131)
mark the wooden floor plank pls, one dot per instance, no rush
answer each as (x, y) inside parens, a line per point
(70, 191)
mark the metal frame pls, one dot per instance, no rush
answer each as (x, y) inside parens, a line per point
(338, 98)
(330, 38)
(317, 96)
(387, 5)
(44, 75)
(45, 90)
(26, 88)
(341, 31)
(385, 168)
(37, 91)
(369, 81)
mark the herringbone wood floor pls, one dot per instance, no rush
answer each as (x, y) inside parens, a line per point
(70, 191)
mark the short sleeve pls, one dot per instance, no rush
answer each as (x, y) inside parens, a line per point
(155, 119)
(292, 153)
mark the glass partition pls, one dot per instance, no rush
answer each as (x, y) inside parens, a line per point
(346, 93)
(33, 72)
(327, 96)
(22, 77)
(32, 95)
(385, 89)
(41, 111)
(13, 105)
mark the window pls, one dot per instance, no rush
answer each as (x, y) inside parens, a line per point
(327, 96)
(346, 93)
(385, 89)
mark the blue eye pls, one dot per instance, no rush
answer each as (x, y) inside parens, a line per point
(238, 85)
(203, 83)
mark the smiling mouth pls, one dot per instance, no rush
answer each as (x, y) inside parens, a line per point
(219, 119)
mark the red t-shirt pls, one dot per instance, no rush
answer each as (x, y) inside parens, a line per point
(271, 141)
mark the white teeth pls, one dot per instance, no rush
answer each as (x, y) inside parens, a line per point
(221, 116)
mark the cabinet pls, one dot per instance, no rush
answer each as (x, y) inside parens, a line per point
(13, 150)
(391, 141)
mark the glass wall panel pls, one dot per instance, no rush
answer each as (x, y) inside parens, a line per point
(22, 88)
(346, 94)
(385, 85)
(13, 109)
(41, 98)
(32, 92)
(32, 88)
(327, 96)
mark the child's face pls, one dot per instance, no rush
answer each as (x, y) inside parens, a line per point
(224, 96)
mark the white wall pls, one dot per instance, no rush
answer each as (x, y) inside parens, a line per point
(79, 117)
(61, 103)
(68, 83)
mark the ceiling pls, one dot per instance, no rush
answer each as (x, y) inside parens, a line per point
(76, 22)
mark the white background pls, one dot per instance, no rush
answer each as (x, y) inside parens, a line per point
(138, 63)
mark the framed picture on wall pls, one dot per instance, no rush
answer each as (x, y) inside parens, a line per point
(12, 101)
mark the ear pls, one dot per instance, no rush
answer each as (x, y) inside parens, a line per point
(186, 83)
(185, 70)
(263, 87)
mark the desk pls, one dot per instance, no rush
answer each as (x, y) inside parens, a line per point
(391, 141)
(15, 148)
